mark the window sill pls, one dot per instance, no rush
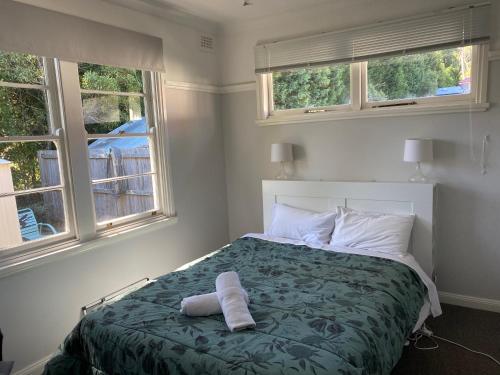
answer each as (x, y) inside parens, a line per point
(372, 113)
(54, 253)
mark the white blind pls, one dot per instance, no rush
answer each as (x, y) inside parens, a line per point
(28, 29)
(468, 25)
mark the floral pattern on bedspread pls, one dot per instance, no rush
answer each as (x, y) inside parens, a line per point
(317, 312)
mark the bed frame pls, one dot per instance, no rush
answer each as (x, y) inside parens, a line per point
(395, 198)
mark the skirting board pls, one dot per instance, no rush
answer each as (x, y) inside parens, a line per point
(468, 301)
(35, 368)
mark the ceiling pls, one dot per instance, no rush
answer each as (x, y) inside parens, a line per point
(228, 11)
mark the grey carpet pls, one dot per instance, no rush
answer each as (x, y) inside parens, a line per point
(479, 330)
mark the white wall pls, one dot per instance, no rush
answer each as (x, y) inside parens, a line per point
(40, 306)
(184, 61)
(239, 39)
(370, 149)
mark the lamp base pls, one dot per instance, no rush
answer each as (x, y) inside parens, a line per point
(282, 175)
(419, 175)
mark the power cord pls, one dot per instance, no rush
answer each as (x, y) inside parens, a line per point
(426, 332)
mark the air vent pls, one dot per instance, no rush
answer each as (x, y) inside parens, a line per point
(207, 43)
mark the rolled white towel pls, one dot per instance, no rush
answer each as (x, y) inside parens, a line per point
(232, 302)
(204, 304)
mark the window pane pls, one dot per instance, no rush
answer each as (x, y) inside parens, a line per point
(311, 87)
(123, 198)
(437, 73)
(109, 78)
(21, 68)
(23, 112)
(31, 164)
(106, 113)
(30, 217)
(114, 157)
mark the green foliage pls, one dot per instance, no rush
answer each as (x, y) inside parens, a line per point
(23, 112)
(311, 88)
(400, 77)
(108, 78)
(418, 75)
(20, 68)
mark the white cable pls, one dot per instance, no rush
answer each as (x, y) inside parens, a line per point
(473, 157)
(425, 332)
(484, 169)
(416, 338)
(471, 131)
(466, 348)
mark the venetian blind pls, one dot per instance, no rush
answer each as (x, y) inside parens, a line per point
(449, 28)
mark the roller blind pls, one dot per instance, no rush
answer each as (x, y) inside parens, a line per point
(29, 29)
(467, 25)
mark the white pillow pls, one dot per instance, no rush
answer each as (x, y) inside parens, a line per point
(372, 231)
(298, 224)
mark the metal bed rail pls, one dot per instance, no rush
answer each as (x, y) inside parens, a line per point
(108, 297)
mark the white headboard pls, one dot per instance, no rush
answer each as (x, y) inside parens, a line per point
(396, 198)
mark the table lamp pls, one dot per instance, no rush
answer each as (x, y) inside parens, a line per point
(282, 153)
(418, 151)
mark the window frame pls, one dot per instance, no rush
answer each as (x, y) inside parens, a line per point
(295, 111)
(65, 117)
(57, 135)
(360, 107)
(151, 133)
(153, 86)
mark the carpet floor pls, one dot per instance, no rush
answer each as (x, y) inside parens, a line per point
(476, 329)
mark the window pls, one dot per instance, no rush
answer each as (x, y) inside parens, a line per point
(33, 198)
(120, 141)
(79, 143)
(453, 77)
(444, 73)
(311, 88)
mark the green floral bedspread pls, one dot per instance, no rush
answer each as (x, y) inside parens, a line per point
(317, 312)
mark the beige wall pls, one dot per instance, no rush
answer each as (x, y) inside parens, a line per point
(371, 149)
(38, 307)
(238, 39)
(184, 61)
(215, 145)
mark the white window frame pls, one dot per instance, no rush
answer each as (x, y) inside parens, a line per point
(88, 227)
(147, 95)
(65, 114)
(56, 135)
(360, 107)
(311, 110)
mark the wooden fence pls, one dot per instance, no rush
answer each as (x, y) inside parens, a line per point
(112, 199)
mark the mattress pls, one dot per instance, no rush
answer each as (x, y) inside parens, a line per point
(317, 312)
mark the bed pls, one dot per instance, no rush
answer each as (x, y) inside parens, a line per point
(318, 310)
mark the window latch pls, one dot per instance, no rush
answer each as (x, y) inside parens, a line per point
(59, 132)
(394, 105)
(317, 110)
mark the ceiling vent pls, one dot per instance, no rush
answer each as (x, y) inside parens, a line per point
(207, 43)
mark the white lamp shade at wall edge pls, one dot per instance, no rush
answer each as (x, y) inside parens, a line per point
(418, 150)
(281, 152)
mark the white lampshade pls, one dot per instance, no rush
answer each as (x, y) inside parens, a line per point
(418, 150)
(281, 152)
